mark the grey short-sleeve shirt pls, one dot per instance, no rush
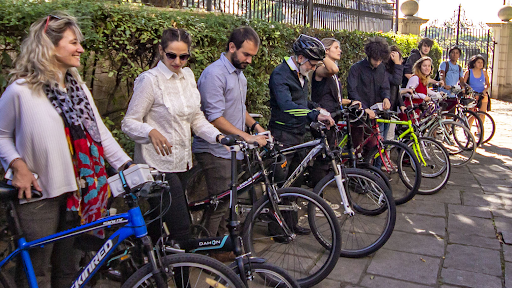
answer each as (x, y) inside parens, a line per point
(223, 90)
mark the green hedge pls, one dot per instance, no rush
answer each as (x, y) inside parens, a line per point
(121, 41)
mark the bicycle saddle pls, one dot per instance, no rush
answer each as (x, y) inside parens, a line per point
(10, 193)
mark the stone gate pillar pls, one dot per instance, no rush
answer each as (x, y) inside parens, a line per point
(502, 72)
(410, 25)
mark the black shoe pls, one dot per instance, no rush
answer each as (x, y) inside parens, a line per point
(282, 239)
(301, 230)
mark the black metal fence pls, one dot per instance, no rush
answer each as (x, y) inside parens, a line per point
(363, 15)
(471, 41)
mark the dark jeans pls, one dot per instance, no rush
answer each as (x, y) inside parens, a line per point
(294, 159)
(55, 265)
(177, 217)
(217, 172)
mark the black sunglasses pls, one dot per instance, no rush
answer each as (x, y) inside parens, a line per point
(48, 19)
(172, 56)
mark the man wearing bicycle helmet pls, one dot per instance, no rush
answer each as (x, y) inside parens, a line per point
(290, 109)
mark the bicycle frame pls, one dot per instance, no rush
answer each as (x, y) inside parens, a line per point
(134, 226)
(318, 146)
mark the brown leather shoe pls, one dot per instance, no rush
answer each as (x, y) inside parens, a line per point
(223, 256)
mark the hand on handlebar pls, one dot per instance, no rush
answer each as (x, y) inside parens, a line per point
(260, 139)
(358, 103)
(326, 119)
(427, 98)
(370, 113)
(386, 104)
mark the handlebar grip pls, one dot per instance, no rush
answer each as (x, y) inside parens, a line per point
(229, 140)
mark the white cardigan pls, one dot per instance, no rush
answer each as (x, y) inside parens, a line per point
(171, 104)
(31, 128)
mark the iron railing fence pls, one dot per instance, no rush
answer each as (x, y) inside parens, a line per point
(363, 15)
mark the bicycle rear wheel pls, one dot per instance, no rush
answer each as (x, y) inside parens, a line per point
(489, 125)
(187, 271)
(401, 167)
(308, 258)
(436, 173)
(375, 212)
(457, 139)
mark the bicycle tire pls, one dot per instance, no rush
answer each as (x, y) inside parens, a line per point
(438, 165)
(456, 143)
(403, 169)
(301, 246)
(221, 273)
(489, 124)
(6, 281)
(375, 171)
(476, 128)
(373, 204)
(267, 275)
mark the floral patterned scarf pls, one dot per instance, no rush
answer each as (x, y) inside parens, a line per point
(84, 140)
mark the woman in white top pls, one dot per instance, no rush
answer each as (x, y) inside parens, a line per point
(50, 126)
(164, 108)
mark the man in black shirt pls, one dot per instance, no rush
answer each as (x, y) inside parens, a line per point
(368, 82)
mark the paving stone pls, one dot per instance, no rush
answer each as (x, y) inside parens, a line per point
(405, 266)
(469, 279)
(504, 226)
(495, 189)
(473, 259)
(508, 275)
(502, 213)
(416, 243)
(472, 240)
(383, 282)
(484, 200)
(470, 226)
(463, 180)
(349, 269)
(416, 206)
(507, 252)
(482, 212)
(327, 283)
(420, 224)
(449, 195)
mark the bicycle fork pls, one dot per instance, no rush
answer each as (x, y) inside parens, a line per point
(341, 189)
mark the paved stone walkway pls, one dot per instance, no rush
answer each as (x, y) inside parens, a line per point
(458, 237)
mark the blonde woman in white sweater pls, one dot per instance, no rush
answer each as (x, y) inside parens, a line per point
(50, 126)
(164, 109)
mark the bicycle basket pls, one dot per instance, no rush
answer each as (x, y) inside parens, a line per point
(279, 169)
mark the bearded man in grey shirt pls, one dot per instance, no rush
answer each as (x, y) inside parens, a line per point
(223, 89)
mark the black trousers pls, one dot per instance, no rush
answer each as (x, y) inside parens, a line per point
(177, 217)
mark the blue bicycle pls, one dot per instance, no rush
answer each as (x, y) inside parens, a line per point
(180, 270)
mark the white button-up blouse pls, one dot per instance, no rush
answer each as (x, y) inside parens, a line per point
(171, 104)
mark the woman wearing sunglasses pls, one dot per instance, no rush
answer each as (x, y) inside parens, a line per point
(164, 108)
(50, 126)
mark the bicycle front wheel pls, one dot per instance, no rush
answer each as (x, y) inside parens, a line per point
(375, 212)
(6, 281)
(312, 251)
(266, 275)
(401, 167)
(187, 271)
(457, 139)
(436, 172)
